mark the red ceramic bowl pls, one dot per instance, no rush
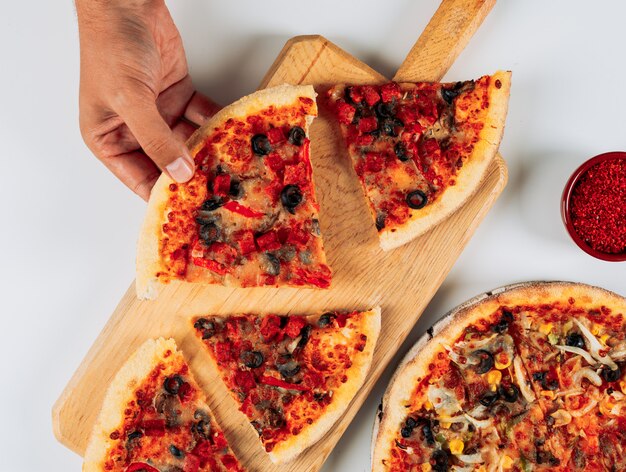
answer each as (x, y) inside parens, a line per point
(565, 206)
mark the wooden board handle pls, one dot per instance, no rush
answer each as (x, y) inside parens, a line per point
(445, 36)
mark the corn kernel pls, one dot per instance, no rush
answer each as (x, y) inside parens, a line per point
(622, 386)
(604, 338)
(494, 377)
(428, 405)
(493, 387)
(545, 328)
(445, 425)
(426, 467)
(507, 462)
(456, 446)
(595, 329)
(548, 394)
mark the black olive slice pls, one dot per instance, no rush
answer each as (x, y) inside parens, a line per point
(274, 418)
(172, 384)
(296, 136)
(212, 203)
(291, 197)
(134, 435)
(416, 199)
(509, 393)
(261, 145)
(325, 319)
(235, 189)
(388, 126)
(485, 361)
(611, 375)
(202, 428)
(209, 233)
(489, 398)
(305, 334)
(410, 422)
(176, 452)
(449, 94)
(439, 461)
(575, 340)
(380, 221)
(401, 152)
(252, 359)
(383, 110)
(406, 432)
(503, 324)
(427, 430)
(289, 369)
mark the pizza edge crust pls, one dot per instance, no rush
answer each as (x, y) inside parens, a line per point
(149, 261)
(449, 328)
(294, 445)
(471, 176)
(120, 392)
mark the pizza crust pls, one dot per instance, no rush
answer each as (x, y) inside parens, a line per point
(468, 179)
(120, 392)
(415, 364)
(149, 261)
(293, 446)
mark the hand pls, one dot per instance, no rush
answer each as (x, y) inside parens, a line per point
(137, 102)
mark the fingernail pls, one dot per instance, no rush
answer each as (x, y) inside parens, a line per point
(180, 170)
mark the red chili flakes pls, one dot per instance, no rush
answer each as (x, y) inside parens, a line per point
(598, 207)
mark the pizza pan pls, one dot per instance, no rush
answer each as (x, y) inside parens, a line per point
(435, 329)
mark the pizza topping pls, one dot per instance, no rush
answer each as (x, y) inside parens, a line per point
(252, 359)
(611, 375)
(291, 197)
(416, 199)
(575, 340)
(261, 145)
(296, 136)
(212, 203)
(140, 467)
(482, 360)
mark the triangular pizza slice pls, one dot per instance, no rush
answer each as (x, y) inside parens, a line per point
(249, 215)
(293, 376)
(154, 419)
(420, 149)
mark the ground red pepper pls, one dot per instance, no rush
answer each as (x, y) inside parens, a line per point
(598, 206)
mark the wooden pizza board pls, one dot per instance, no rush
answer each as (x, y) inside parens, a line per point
(401, 281)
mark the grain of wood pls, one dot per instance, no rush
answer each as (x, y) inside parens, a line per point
(443, 39)
(402, 281)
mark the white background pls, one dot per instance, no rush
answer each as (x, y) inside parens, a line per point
(68, 228)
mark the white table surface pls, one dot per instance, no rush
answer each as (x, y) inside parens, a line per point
(64, 268)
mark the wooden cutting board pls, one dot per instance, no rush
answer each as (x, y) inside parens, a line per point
(402, 281)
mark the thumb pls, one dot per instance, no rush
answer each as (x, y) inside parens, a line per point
(158, 141)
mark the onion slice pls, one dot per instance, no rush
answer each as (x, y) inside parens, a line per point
(576, 350)
(586, 373)
(523, 386)
(476, 458)
(596, 346)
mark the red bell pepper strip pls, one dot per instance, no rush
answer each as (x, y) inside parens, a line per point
(274, 382)
(242, 210)
(140, 467)
(211, 265)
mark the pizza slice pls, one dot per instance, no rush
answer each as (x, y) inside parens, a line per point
(249, 215)
(420, 149)
(154, 419)
(293, 376)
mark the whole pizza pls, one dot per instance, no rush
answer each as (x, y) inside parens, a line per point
(530, 377)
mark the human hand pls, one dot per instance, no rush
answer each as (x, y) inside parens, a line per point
(137, 101)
